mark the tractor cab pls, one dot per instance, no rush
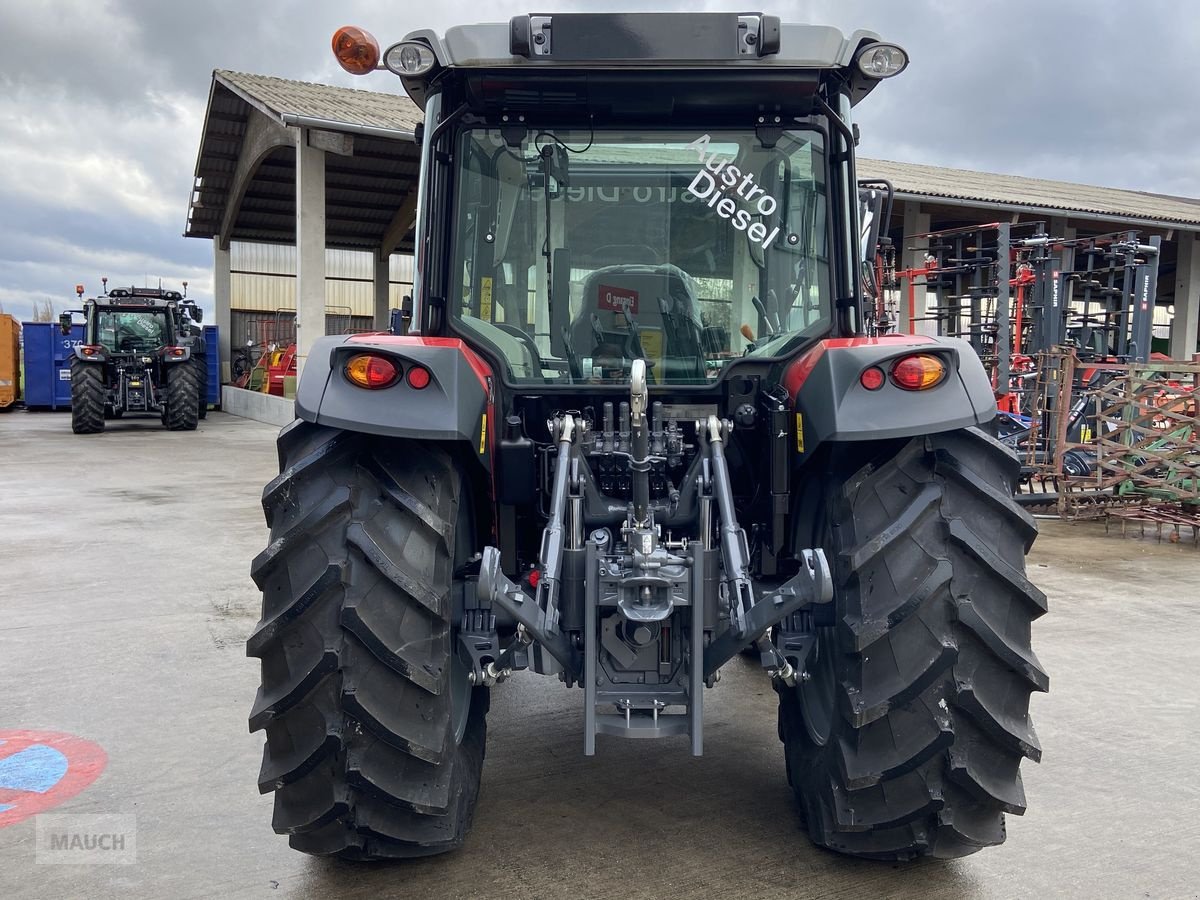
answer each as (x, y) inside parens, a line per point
(670, 187)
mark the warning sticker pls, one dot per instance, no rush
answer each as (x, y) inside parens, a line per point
(485, 299)
(618, 298)
(652, 343)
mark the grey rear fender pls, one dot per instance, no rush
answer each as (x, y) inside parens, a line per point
(831, 404)
(455, 406)
(98, 356)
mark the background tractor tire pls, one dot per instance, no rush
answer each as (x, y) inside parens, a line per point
(202, 376)
(183, 397)
(375, 739)
(87, 398)
(907, 736)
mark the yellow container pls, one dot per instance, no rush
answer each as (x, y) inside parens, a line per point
(10, 362)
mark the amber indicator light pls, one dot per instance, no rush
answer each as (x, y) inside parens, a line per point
(919, 372)
(372, 372)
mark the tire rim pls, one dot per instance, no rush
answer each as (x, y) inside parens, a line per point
(818, 693)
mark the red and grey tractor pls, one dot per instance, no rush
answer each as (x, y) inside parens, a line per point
(631, 433)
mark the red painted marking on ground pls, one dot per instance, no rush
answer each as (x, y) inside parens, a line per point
(85, 761)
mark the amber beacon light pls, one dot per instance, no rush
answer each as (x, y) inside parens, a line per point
(356, 50)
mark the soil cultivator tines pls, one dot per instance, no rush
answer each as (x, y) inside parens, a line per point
(1147, 441)
(1116, 436)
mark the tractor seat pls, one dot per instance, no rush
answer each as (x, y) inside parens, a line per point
(661, 301)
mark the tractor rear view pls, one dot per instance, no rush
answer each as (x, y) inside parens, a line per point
(140, 354)
(632, 431)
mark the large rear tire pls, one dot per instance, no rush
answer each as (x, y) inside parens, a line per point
(183, 397)
(375, 739)
(905, 735)
(87, 397)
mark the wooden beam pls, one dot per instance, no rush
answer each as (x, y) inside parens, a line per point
(402, 223)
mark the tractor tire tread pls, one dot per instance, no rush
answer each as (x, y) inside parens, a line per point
(934, 667)
(87, 397)
(183, 393)
(354, 641)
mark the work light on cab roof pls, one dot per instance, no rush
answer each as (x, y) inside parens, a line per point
(881, 60)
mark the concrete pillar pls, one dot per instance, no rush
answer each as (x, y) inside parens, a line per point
(383, 289)
(916, 222)
(1185, 326)
(222, 302)
(310, 246)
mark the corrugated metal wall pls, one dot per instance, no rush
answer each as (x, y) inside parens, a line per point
(263, 278)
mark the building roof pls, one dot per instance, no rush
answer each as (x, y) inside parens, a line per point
(367, 188)
(364, 189)
(1037, 195)
(357, 111)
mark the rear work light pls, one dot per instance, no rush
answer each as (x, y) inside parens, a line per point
(918, 372)
(356, 50)
(410, 58)
(418, 377)
(881, 60)
(372, 372)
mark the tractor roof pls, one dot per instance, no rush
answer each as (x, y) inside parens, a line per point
(604, 40)
(138, 298)
(730, 43)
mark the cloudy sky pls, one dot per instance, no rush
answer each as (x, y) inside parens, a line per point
(102, 101)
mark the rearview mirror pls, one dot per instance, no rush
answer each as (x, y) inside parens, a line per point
(64, 323)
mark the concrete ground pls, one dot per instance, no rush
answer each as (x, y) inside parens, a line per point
(125, 594)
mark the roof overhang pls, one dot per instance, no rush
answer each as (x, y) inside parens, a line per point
(1034, 196)
(245, 177)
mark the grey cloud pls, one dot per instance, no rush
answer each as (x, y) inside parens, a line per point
(101, 104)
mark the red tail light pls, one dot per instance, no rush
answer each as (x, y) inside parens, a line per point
(372, 372)
(918, 372)
(873, 378)
(177, 351)
(418, 377)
